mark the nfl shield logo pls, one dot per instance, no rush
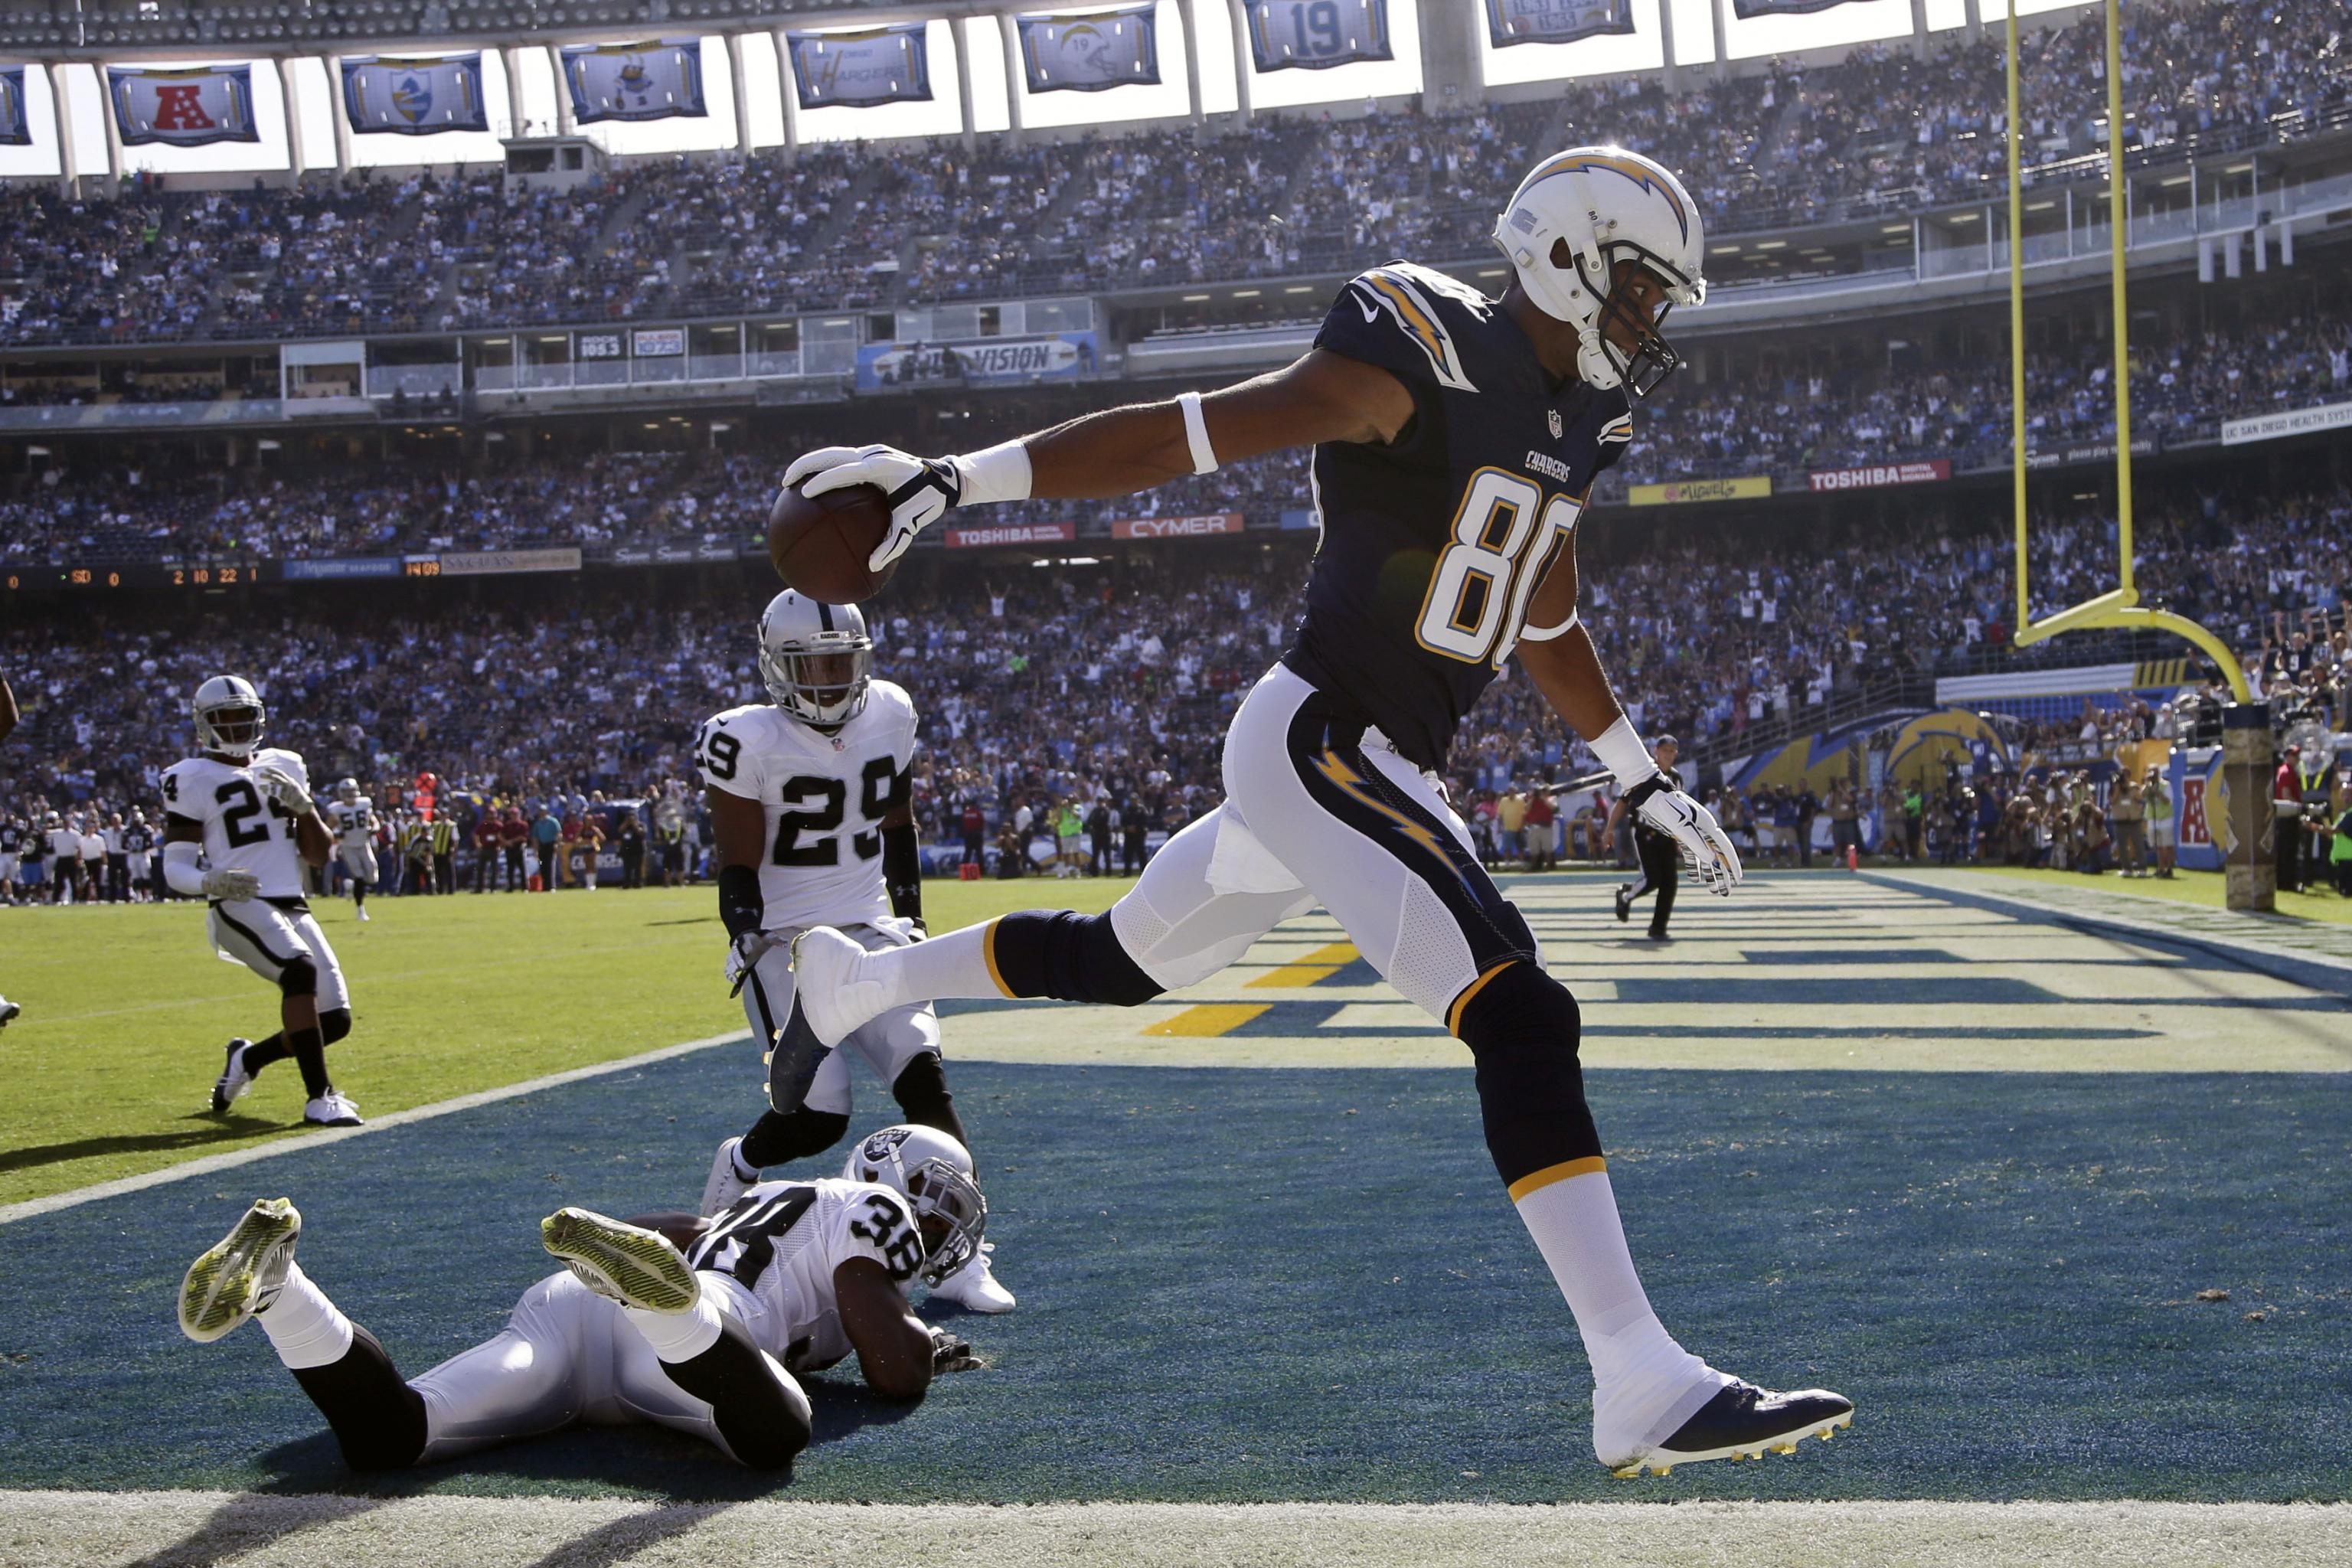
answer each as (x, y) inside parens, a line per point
(1555, 424)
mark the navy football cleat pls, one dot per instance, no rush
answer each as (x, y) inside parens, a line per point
(1745, 1422)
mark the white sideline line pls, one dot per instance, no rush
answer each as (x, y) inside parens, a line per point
(10, 1213)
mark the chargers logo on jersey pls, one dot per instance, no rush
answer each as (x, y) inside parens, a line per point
(1390, 289)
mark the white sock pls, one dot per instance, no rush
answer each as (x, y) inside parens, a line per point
(743, 1171)
(678, 1336)
(1644, 1384)
(305, 1328)
(956, 964)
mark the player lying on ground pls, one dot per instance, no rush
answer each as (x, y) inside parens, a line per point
(810, 802)
(795, 1276)
(238, 827)
(1455, 439)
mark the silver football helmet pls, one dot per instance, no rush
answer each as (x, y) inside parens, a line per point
(933, 1172)
(220, 697)
(815, 658)
(347, 790)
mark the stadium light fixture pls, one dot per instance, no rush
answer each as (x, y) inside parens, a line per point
(1247, 293)
(1894, 228)
(1299, 289)
(1196, 298)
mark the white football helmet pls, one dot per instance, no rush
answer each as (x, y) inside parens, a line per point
(933, 1172)
(816, 657)
(1576, 217)
(347, 790)
(223, 694)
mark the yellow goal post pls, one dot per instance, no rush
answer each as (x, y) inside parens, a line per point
(2120, 606)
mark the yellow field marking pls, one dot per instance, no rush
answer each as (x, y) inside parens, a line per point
(1211, 1018)
(1319, 965)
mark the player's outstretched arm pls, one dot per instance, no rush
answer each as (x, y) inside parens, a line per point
(1320, 397)
(740, 830)
(894, 1348)
(1557, 651)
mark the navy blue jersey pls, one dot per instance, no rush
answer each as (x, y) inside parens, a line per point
(1432, 543)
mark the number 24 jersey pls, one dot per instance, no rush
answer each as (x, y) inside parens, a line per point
(826, 795)
(244, 829)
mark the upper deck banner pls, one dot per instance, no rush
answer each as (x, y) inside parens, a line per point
(16, 124)
(1091, 52)
(859, 69)
(1512, 22)
(384, 96)
(190, 107)
(658, 78)
(1316, 35)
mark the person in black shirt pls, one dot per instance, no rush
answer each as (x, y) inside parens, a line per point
(1661, 866)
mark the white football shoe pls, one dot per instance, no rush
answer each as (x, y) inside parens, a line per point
(243, 1273)
(363, 914)
(827, 988)
(726, 1182)
(333, 1109)
(8, 1010)
(234, 1080)
(974, 1286)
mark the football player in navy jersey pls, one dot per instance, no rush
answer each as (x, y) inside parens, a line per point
(1455, 440)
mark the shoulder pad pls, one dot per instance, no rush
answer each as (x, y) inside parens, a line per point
(1409, 295)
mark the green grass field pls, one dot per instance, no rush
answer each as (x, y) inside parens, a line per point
(126, 1010)
(2206, 888)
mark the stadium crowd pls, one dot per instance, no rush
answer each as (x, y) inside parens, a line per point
(1766, 423)
(1111, 685)
(852, 225)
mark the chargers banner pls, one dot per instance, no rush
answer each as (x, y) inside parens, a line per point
(1065, 355)
(190, 108)
(656, 80)
(1316, 35)
(1088, 54)
(384, 96)
(1744, 9)
(1554, 21)
(15, 125)
(878, 65)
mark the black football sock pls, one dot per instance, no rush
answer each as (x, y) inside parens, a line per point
(1066, 955)
(309, 1049)
(261, 1053)
(921, 1093)
(378, 1419)
(359, 895)
(780, 1136)
(762, 1425)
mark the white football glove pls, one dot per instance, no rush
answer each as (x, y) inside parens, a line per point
(230, 885)
(920, 490)
(746, 953)
(1709, 858)
(283, 787)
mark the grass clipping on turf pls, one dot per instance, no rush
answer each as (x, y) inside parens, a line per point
(68, 1530)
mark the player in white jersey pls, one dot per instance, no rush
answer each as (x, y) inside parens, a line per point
(238, 831)
(353, 816)
(794, 1278)
(809, 798)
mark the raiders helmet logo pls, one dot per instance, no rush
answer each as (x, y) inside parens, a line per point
(882, 1145)
(1554, 416)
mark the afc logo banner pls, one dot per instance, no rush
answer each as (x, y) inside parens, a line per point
(191, 108)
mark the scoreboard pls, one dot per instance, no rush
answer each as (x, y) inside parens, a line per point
(101, 579)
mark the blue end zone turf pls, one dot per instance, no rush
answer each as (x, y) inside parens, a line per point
(1278, 1284)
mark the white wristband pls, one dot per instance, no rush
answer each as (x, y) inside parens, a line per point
(998, 473)
(1196, 432)
(1546, 634)
(1621, 751)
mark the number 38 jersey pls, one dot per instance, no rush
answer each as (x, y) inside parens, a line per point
(825, 796)
(1433, 544)
(244, 829)
(782, 1240)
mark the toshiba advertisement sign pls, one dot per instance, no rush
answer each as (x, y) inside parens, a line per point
(1176, 527)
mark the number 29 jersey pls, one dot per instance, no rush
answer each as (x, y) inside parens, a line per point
(244, 829)
(826, 795)
(782, 1240)
(1432, 544)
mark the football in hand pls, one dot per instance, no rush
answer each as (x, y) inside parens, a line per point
(820, 544)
